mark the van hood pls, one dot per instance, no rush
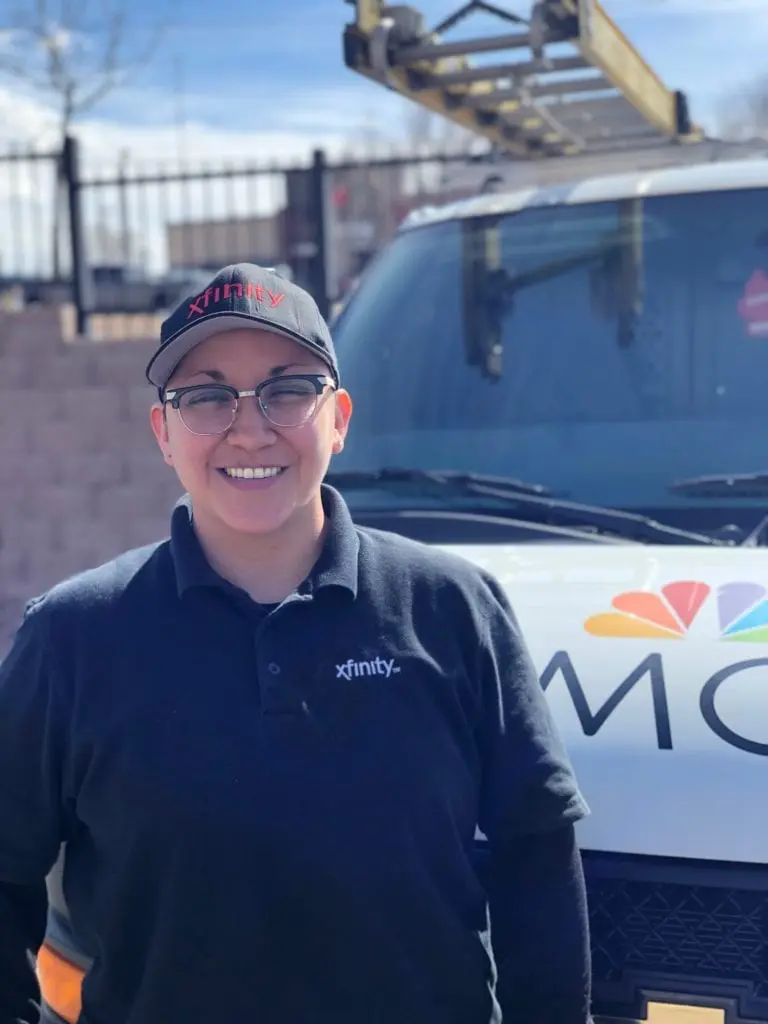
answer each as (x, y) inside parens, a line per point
(655, 663)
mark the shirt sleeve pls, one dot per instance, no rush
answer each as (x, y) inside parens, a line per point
(31, 806)
(22, 929)
(527, 781)
(540, 929)
(32, 732)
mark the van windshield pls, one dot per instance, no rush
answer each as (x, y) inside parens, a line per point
(602, 350)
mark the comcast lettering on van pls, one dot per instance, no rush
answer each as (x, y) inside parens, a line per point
(735, 613)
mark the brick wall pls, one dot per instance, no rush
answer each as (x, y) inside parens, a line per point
(81, 477)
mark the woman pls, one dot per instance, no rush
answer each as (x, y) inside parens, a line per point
(252, 758)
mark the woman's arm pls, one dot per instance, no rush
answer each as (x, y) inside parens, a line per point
(32, 731)
(540, 929)
(529, 804)
(22, 927)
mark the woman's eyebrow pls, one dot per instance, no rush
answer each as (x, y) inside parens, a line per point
(214, 374)
(217, 375)
(277, 370)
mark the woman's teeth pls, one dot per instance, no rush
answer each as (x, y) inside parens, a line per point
(255, 473)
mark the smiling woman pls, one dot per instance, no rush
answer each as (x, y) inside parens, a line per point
(252, 459)
(227, 440)
(252, 760)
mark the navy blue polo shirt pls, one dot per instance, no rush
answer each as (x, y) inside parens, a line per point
(270, 813)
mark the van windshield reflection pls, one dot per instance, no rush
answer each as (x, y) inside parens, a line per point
(602, 350)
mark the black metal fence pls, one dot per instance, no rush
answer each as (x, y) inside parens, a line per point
(27, 187)
(135, 241)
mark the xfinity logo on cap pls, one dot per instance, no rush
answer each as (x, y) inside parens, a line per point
(378, 667)
(231, 290)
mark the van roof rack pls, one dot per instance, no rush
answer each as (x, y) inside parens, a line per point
(594, 94)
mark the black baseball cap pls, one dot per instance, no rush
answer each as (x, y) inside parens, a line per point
(242, 295)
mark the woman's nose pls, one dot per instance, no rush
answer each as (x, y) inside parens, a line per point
(250, 421)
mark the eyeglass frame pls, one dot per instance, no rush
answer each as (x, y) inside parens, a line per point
(320, 381)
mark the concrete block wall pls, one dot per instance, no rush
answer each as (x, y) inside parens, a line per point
(81, 477)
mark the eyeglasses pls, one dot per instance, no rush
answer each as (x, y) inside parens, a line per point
(287, 401)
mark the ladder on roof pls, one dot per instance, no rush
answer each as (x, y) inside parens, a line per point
(595, 95)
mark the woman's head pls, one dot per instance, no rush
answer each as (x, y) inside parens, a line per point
(258, 475)
(252, 464)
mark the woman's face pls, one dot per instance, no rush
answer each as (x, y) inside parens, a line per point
(296, 458)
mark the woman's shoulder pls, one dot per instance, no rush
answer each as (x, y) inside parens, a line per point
(384, 553)
(103, 586)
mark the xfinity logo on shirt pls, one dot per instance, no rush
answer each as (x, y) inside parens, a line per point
(378, 667)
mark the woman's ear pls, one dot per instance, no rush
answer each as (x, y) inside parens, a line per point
(342, 416)
(159, 423)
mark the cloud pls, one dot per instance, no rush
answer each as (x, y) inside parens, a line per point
(24, 119)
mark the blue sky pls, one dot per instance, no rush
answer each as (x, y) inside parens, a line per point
(284, 70)
(274, 77)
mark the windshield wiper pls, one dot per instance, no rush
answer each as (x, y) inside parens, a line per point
(723, 485)
(455, 479)
(531, 498)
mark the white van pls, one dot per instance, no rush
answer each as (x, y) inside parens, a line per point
(569, 387)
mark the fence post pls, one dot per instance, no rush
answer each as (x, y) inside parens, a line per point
(81, 278)
(319, 271)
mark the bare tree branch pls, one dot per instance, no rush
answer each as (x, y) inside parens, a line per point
(744, 114)
(117, 73)
(75, 52)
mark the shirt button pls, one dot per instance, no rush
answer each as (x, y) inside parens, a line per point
(274, 668)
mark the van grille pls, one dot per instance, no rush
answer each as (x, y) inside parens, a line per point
(681, 931)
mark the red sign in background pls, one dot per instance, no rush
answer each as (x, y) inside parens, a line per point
(753, 306)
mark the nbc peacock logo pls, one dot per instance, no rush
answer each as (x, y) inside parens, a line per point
(742, 612)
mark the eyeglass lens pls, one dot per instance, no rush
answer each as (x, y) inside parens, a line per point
(212, 409)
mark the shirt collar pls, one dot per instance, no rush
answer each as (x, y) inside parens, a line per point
(337, 565)
(192, 567)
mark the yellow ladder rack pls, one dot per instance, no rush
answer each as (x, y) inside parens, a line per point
(595, 95)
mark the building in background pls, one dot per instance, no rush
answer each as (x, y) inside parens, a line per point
(215, 243)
